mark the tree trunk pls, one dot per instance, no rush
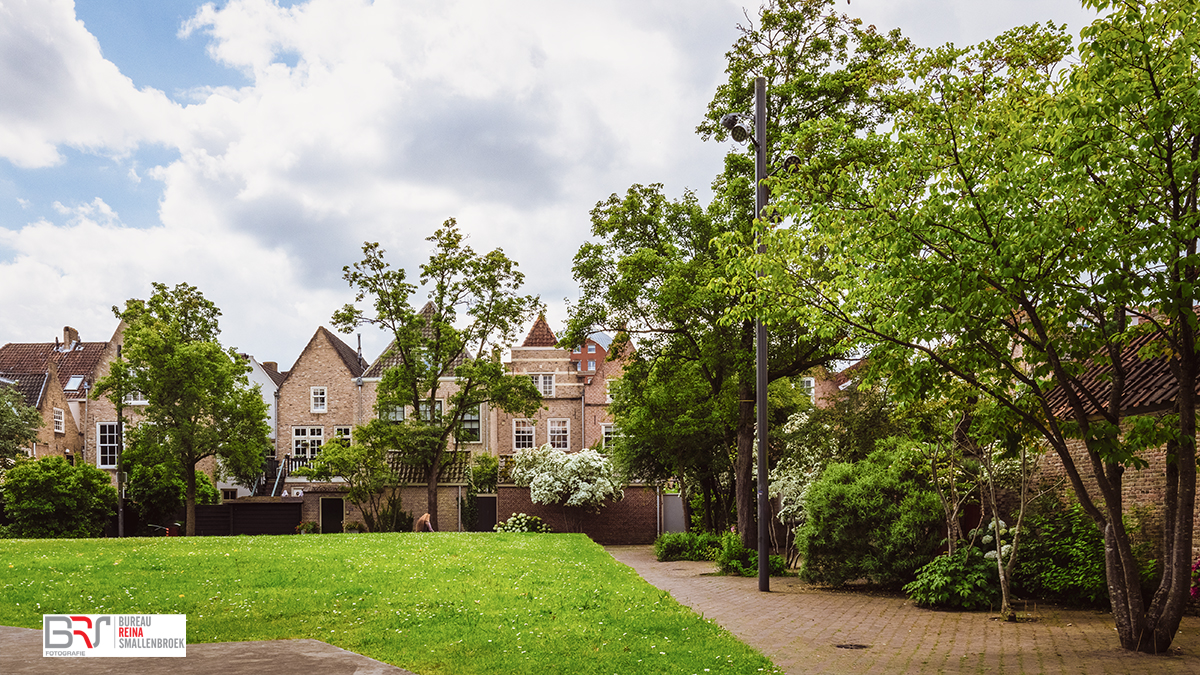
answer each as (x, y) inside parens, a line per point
(431, 490)
(190, 479)
(744, 472)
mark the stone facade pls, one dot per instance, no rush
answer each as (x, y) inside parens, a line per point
(321, 394)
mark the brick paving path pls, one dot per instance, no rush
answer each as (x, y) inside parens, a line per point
(799, 627)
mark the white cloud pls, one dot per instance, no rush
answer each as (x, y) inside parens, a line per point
(59, 90)
(362, 121)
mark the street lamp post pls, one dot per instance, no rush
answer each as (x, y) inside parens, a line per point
(739, 133)
(760, 338)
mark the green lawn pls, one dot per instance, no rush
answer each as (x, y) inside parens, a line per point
(432, 603)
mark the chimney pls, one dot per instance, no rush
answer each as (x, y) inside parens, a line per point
(271, 365)
(70, 337)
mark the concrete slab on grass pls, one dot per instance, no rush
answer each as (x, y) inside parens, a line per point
(21, 654)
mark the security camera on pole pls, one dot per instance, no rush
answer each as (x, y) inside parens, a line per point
(736, 125)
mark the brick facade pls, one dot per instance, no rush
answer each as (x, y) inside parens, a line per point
(633, 520)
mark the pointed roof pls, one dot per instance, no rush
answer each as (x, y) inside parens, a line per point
(349, 355)
(540, 335)
(31, 386)
(79, 359)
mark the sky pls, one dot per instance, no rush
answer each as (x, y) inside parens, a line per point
(250, 147)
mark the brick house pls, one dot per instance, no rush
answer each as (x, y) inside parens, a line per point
(574, 386)
(70, 369)
(330, 390)
(58, 435)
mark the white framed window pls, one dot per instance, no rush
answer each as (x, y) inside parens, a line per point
(393, 413)
(808, 385)
(469, 432)
(591, 349)
(429, 411)
(608, 432)
(344, 433)
(318, 402)
(544, 384)
(522, 434)
(307, 441)
(576, 350)
(60, 421)
(136, 398)
(106, 451)
(560, 434)
(591, 365)
(608, 390)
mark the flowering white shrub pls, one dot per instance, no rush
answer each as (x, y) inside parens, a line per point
(584, 479)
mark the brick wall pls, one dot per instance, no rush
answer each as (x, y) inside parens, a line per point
(633, 520)
(1139, 487)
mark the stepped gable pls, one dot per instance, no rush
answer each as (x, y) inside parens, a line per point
(540, 334)
(349, 356)
(31, 386)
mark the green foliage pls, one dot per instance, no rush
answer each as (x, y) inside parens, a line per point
(370, 481)
(473, 311)
(519, 522)
(734, 558)
(157, 493)
(18, 424)
(876, 519)
(964, 580)
(200, 402)
(687, 546)
(1062, 556)
(485, 472)
(51, 498)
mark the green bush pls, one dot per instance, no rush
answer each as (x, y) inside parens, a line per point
(734, 558)
(686, 546)
(519, 522)
(157, 494)
(965, 580)
(50, 498)
(1062, 556)
(875, 519)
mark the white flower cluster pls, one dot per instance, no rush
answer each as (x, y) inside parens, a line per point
(586, 479)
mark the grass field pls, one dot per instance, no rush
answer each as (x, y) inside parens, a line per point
(432, 603)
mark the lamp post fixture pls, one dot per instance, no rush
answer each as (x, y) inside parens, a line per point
(736, 126)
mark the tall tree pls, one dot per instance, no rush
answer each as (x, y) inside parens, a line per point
(473, 311)
(199, 401)
(1019, 223)
(18, 423)
(650, 272)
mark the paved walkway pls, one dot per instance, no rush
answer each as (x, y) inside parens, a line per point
(800, 628)
(21, 654)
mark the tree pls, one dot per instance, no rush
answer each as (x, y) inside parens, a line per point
(50, 498)
(1016, 226)
(18, 424)
(473, 311)
(157, 492)
(651, 272)
(369, 480)
(200, 402)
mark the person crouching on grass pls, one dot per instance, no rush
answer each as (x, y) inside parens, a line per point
(423, 524)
